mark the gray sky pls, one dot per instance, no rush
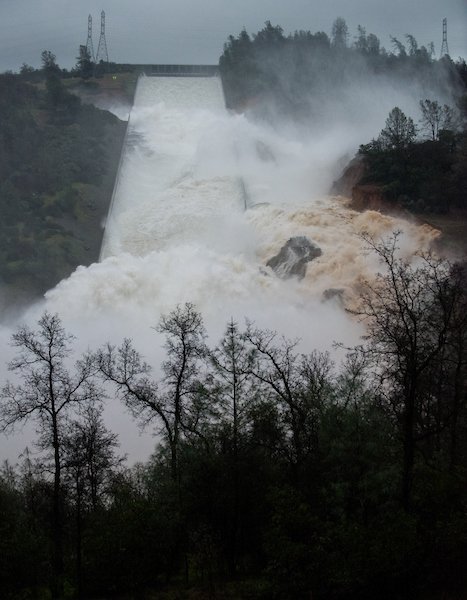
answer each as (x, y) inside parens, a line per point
(184, 31)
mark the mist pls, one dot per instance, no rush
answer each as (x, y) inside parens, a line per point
(203, 199)
(205, 196)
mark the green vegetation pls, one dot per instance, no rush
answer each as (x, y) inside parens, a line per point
(421, 175)
(422, 169)
(58, 161)
(277, 474)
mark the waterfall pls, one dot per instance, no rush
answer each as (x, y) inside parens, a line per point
(180, 230)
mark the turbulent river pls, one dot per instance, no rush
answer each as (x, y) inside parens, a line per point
(203, 199)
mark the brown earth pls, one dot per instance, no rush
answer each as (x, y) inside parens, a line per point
(453, 226)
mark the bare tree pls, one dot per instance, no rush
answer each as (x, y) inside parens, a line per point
(185, 347)
(435, 117)
(174, 403)
(299, 383)
(49, 393)
(409, 312)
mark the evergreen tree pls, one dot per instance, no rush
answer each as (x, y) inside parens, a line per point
(399, 132)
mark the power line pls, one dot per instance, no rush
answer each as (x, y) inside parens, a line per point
(444, 45)
(102, 53)
(89, 44)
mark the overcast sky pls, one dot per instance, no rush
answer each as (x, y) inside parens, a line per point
(194, 31)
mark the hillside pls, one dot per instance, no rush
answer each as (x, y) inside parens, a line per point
(58, 160)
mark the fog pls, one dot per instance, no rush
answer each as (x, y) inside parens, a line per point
(178, 230)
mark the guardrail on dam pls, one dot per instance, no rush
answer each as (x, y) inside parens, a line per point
(182, 70)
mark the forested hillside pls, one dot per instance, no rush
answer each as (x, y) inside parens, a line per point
(425, 172)
(300, 72)
(298, 76)
(58, 159)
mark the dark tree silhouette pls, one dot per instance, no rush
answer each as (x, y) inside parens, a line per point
(48, 394)
(89, 463)
(174, 402)
(399, 132)
(436, 117)
(410, 312)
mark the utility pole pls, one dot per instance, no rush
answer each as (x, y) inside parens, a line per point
(102, 53)
(444, 45)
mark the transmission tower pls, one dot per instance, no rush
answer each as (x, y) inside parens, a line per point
(89, 44)
(102, 53)
(444, 46)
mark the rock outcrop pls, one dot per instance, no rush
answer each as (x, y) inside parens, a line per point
(370, 197)
(293, 258)
(363, 196)
(334, 295)
(351, 176)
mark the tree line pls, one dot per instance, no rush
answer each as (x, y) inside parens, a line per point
(277, 473)
(421, 168)
(295, 73)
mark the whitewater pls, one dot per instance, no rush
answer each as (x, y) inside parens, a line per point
(203, 199)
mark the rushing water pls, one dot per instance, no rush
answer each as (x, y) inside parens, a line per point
(203, 199)
(178, 230)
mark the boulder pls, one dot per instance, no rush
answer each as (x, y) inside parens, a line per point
(335, 294)
(293, 257)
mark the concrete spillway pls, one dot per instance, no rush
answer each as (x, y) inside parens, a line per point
(171, 183)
